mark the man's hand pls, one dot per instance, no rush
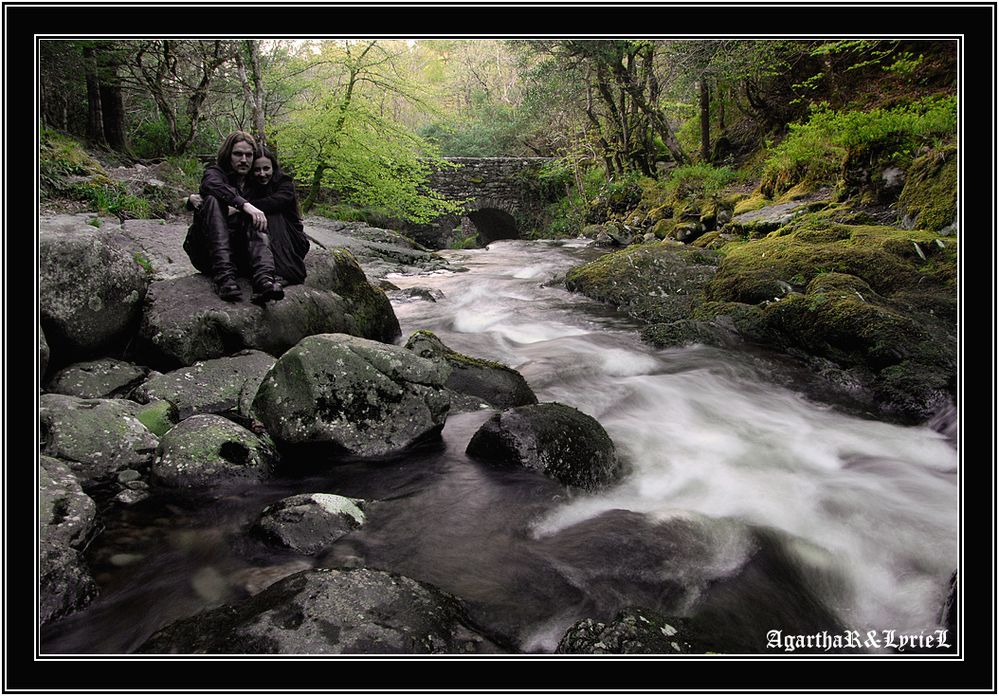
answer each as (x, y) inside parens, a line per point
(256, 216)
(194, 201)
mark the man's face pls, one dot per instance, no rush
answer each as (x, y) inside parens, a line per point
(242, 158)
(263, 170)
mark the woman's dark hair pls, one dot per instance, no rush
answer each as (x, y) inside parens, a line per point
(277, 174)
(224, 158)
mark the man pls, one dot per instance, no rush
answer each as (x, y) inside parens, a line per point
(229, 234)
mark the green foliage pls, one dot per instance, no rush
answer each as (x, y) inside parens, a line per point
(94, 222)
(61, 157)
(814, 151)
(469, 242)
(146, 264)
(490, 130)
(108, 196)
(698, 179)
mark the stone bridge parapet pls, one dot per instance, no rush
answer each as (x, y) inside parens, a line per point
(501, 194)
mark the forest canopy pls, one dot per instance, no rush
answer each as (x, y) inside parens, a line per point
(362, 122)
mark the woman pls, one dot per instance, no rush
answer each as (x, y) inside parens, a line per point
(273, 192)
(228, 236)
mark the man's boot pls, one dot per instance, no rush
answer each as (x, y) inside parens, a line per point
(227, 289)
(262, 263)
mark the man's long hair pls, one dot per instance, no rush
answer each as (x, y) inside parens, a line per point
(224, 158)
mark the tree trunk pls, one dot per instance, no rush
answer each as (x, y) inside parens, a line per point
(253, 86)
(113, 111)
(720, 91)
(705, 121)
(95, 119)
(317, 178)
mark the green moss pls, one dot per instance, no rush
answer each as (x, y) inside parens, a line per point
(158, 417)
(929, 198)
(754, 202)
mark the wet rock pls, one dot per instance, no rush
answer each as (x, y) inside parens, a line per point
(686, 332)
(90, 292)
(43, 354)
(97, 379)
(419, 293)
(185, 321)
(96, 437)
(553, 439)
(65, 584)
(65, 512)
(207, 450)
(309, 523)
(131, 496)
(651, 283)
(485, 380)
(221, 386)
(330, 612)
(368, 398)
(632, 631)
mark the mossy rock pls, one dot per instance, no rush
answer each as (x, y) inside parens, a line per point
(492, 382)
(158, 417)
(929, 198)
(654, 283)
(209, 450)
(663, 228)
(684, 332)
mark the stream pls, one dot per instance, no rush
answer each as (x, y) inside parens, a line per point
(746, 504)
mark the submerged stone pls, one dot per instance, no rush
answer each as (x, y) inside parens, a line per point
(310, 522)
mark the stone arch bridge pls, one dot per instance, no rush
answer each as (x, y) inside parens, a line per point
(503, 198)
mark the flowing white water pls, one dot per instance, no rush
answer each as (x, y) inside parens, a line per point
(868, 507)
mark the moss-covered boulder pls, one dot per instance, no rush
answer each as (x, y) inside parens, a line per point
(492, 382)
(879, 298)
(328, 611)
(368, 398)
(310, 522)
(553, 439)
(633, 631)
(98, 379)
(96, 437)
(209, 450)
(90, 292)
(224, 386)
(654, 283)
(929, 199)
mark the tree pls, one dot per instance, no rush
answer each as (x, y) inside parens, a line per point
(339, 136)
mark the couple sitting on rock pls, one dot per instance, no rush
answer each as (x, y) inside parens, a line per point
(247, 223)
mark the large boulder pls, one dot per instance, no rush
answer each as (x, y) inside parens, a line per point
(97, 379)
(65, 584)
(368, 398)
(330, 612)
(185, 321)
(159, 243)
(96, 437)
(553, 439)
(310, 522)
(44, 353)
(492, 382)
(208, 450)
(65, 512)
(90, 292)
(220, 386)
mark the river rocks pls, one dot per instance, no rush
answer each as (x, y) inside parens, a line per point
(309, 523)
(368, 398)
(221, 386)
(553, 439)
(651, 283)
(492, 382)
(96, 437)
(208, 450)
(633, 631)
(43, 354)
(159, 243)
(65, 512)
(97, 379)
(65, 584)
(90, 292)
(686, 332)
(330, 612)
(185, 321)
